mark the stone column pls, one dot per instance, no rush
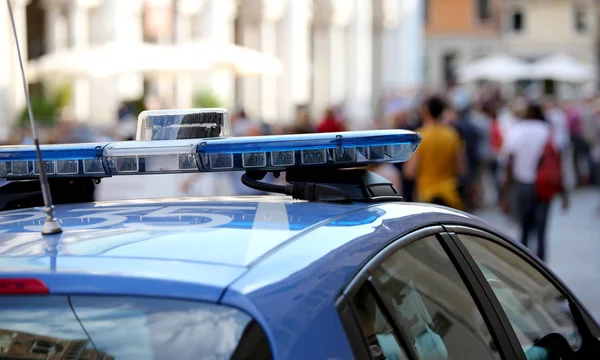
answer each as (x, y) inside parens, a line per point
(271, 41)
(260, 24)
(330, 18)
(119, 21)
(411, 40)
(162, 11)
(185, 10)
(295, 55)
(12, 96)
(79, 35)
(6, 45)
(56, 26)
(386, 54)
(358, 106)
(251, 86)
(216, 22)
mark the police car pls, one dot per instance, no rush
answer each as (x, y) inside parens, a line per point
(334, 267)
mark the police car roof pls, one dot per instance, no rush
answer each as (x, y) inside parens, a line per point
(196, 248)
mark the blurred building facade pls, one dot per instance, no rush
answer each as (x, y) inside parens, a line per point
(532, 29)
(461, 31)
(457, 33)
(333, 51)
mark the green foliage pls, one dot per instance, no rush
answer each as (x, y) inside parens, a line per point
(139, 104)
(206, 99)
(46, 104)
(44, 111)
(63, 94)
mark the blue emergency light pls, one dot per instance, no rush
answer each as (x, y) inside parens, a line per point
(165, 146)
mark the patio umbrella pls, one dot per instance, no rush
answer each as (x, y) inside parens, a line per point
(100, 61)
(501, 68)
(152, 59)
(216, 55)
(562, 67)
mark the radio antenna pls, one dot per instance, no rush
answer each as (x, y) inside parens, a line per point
(51, 226)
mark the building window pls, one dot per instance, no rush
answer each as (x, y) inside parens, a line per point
(484, 10)
(449, 66)
(580, 20)
(517, 20)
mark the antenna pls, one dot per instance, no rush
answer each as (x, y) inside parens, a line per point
(50, 224)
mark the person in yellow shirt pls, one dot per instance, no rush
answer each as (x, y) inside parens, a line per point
(439, 161)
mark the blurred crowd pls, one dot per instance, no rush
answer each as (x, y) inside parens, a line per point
(479, 149)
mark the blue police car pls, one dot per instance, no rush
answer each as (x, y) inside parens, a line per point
(335, 267)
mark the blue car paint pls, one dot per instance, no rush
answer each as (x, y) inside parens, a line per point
(208, 285)
(289, 286)
(227, 233)
(295, 289)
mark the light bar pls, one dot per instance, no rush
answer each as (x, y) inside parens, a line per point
(268, 153)
(277, 153)
(135, 157)
(83, 160)
(176, 124)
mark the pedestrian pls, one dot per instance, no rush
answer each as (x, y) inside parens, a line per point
(527, 143)
(331, 122)
(495, 146)
(401, 120)
(470, 136)
(557, 119)
(482, 122)
(595, 153)
(303, 122)
(439, 161)
(588, 110)
(579, 145)
(240, 123)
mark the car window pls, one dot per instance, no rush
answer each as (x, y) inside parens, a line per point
(433, 304)
(382, 341)
(533, 305)
(104, 327)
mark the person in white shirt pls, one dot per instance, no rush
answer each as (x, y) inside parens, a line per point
(507, 117)
(522, 151)
(560, 126)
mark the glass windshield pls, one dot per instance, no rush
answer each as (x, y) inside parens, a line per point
(101, 327)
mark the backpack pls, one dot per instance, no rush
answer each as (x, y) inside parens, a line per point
(548, 180)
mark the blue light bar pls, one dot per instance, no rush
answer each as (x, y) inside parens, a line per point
(83, 160)
(269, 153)
(273, 153)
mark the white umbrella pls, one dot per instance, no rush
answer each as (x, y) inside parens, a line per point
(100, 61)
(501, 68)
(152, 59)
(215, 55)
(562, 67)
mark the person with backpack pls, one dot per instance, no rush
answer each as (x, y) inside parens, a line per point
(533, 174)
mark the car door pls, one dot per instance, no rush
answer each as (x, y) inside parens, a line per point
(545, 318)
(419, 299)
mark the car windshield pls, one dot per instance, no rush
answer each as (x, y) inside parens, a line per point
(102, 327)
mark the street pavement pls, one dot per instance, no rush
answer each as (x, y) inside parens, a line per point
(573, 244)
